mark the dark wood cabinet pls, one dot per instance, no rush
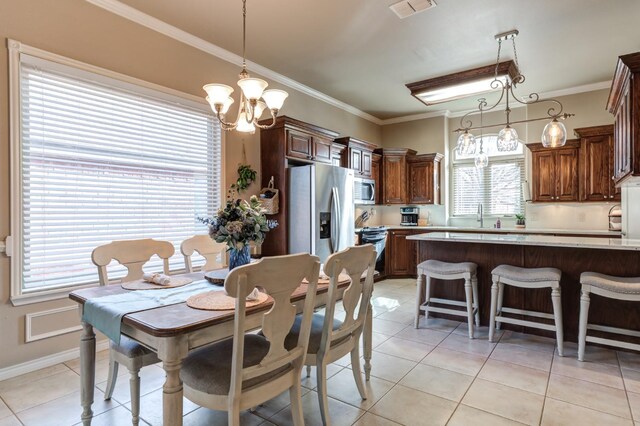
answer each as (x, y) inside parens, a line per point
(376, 175)
(624, 104)
(555, 172)
(597, 164)
(337, 155)
(424, 179)
(359, 155)
(401, 254)
(290, 141)
(394, 170)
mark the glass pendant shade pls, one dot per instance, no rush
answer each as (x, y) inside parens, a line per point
(259, 109)
(218, 93)
(252, 87)
(466, 144)
(274, 98)
(225, 106)
(244, 125)
(481, 160)
(507, 139)
(554, 134)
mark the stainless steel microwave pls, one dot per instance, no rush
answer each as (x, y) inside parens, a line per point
(364, 191)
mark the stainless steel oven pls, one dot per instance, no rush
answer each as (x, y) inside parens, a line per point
(364, 191)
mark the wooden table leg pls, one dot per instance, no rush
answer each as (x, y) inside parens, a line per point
(87, 371)
(368, 345)
(172, 351)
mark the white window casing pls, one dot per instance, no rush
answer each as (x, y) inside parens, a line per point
(97, 156)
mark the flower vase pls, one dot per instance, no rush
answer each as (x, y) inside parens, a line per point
(239, 257)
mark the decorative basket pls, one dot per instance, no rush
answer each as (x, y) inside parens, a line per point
(271, 205)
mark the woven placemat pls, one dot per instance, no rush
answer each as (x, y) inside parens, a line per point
(217, 300)
(145, 285)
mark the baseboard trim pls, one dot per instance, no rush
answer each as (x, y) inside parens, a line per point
(46, 361)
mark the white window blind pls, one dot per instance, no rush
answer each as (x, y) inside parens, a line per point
(498, 186)
(102, 162)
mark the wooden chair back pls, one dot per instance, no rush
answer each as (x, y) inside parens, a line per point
(279, 276)
(132, 254)
(355, 262)
(213, 253)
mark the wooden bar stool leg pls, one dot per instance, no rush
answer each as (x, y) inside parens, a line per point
(582, 328)
(492, 315)
(499, 304)
(476, 300)
(469, 297)
(419, 287)
(427, 296)
(557, 314)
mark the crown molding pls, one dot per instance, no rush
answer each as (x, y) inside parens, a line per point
(414, 117)
(141, 18)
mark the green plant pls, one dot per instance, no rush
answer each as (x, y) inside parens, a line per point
(520, 219)
(246, 176)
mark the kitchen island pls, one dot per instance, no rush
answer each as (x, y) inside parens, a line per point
(572, 255)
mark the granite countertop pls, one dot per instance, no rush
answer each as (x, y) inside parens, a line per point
(444, 228)
(532, 240)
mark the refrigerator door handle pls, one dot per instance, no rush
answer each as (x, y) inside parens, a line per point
(338, 219)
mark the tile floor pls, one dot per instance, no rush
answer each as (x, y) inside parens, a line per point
(431, 376)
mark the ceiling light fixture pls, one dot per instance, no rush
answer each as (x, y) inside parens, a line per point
(554, 134)
(254, 99)
(462, 84)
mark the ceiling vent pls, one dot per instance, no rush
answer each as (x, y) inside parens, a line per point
(407, 8)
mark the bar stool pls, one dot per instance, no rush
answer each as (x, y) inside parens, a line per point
(448, 271)
(613, 288)
(526, 278)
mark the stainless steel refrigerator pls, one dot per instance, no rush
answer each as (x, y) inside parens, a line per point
(321, 209)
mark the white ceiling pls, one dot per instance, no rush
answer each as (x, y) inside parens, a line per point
(359, 52)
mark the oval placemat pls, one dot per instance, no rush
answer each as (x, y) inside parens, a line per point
(145, 285)
(217, 300)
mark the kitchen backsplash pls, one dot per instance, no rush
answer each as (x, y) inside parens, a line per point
(591, 216)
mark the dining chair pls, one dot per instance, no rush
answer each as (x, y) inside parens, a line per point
(213, 253)
(132, 254)
(331, 339)
(249, 369)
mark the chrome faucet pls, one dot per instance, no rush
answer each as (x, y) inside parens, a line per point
(479, 217)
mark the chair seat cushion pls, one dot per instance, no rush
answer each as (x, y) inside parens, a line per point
(445, 268)
(317, 323)
(624, 285)
(208, 369)
(529, 275)
(129, 347)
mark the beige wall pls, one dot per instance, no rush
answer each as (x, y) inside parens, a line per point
(425, 136)
(78, 30)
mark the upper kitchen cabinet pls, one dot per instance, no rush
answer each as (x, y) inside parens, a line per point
(338, 155)
(596, 164)
(624, 104)
(395, 172)
(424, 179)
(555, 172)
(305, 141)
(376, 175)
(291, 141)
(359, 155)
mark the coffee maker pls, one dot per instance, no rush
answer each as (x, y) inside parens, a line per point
(409, 216)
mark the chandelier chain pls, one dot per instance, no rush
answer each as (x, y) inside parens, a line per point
(244, 34)
(515, 54)
(495, 75)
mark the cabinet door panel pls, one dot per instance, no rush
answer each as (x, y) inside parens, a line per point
(375, 175)
(322, 150)
(337, 158)
(355, 163)
(402, 254)
(299, 145)
(597, 172)
(544, 183)
(567, 174)
(421, 183)
(394, 179)
(366, 163)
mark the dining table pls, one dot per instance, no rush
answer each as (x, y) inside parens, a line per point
(171, 331)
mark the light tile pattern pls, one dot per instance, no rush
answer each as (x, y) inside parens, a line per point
(431, 376)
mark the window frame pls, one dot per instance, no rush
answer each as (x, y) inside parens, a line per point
(470, 161)
(14, 242)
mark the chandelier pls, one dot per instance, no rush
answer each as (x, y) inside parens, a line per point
(254, 99)
(554, 134)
